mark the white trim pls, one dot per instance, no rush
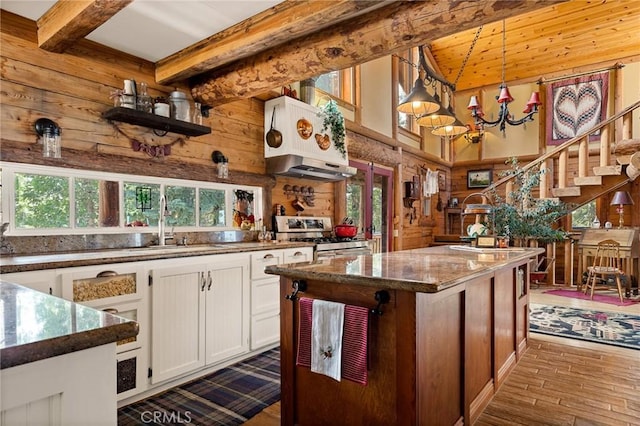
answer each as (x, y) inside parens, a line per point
(9, 170)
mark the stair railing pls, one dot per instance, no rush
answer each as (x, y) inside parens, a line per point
(562, 153)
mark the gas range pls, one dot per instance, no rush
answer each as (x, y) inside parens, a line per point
(318, 230)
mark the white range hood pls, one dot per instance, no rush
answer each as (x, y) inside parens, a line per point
(308, 153)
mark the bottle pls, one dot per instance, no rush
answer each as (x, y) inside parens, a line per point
(196, 117)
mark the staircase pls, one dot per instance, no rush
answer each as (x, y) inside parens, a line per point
(619, 163)
(618, 156)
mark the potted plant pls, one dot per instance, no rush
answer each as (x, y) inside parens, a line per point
(527, 217)
(333, 120)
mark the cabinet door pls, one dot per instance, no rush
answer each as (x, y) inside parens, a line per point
(177, 321)
(227, 307)
(45, 281)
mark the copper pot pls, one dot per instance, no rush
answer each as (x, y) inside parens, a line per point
(274, 137)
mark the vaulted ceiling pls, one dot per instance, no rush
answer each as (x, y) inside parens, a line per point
(229, 49)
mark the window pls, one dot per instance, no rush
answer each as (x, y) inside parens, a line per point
(583, 216)
(212, 207)
(338, 84)
(406, 76)
(42, 200)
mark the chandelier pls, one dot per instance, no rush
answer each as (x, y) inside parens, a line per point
(504, 98)
(428, 109)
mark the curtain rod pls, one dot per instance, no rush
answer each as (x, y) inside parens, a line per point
(615, 66)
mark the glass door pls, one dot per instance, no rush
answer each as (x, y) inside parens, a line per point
(370, 203)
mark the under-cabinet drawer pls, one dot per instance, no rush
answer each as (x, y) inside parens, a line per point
(296, 255)
(261, 260)
(97, 285)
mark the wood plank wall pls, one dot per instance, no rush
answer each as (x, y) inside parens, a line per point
(74, 89)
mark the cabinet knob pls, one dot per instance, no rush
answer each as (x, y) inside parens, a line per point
(209, 281)
(268, 256)
(106, 274)
(111, 310)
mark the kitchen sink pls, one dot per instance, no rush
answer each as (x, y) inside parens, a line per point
(179, 249)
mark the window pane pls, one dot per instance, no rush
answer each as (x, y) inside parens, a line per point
(212, 207)
(584, 215)
(181, 205)
(243, 217)
(141, 204)
(41, 201)
(330, 83)
(97, 203)
(355, 200)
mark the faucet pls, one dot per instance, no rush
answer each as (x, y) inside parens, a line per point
(161, 214)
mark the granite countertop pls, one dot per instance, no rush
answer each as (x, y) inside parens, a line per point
(426, 270)
(22, 263)
(36, 326)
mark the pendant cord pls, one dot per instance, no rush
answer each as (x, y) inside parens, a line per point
(504, 51)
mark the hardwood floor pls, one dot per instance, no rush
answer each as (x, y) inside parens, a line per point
(558, 381)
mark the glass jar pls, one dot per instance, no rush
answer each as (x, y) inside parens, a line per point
(196, 117)
(180, 108)
(144, 102)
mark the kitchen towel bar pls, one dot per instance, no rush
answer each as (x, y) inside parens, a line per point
(381, 296)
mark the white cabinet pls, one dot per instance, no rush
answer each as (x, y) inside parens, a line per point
(200, 314)
(45, 280)
(265, 293)
(72, 389)
(120, 289)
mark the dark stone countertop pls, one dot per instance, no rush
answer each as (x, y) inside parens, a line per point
(37, 326)
(426, 270)
(22, 263)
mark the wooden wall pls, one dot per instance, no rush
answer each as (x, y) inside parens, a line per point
(74, 89)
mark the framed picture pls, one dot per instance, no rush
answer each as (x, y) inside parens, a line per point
(478, 178)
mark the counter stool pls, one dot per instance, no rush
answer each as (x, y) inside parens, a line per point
(606, 264)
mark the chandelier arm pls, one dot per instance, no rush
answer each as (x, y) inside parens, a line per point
(525, 119)
(431, 74)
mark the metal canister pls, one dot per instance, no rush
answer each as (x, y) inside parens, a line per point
(180, 108)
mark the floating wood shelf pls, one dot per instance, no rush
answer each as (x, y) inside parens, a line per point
(140, 118)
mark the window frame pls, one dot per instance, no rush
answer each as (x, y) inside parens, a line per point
(8, 214)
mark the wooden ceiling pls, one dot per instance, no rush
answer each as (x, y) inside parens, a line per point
(298, 39)
(557, 40)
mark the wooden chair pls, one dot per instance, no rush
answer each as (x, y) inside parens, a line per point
(537, 274)
(606, 264)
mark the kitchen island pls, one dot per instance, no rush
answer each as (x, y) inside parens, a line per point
(58, 359)
(454, 326)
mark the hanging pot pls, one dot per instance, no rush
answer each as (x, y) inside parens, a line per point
(274, 137)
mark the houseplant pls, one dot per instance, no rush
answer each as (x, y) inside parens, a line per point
(333, 120)
(527, 217)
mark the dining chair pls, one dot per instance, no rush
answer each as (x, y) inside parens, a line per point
(606, 265)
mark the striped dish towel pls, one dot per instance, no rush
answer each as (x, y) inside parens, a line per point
(354, 343)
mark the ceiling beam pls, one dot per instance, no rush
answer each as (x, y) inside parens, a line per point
(288, 20)
(388, 30)
(70, 20)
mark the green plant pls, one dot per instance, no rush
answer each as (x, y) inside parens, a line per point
(332, 119)
(526, 216)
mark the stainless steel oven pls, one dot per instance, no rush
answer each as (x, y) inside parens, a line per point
(319, 230)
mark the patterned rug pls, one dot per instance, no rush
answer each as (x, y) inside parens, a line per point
(612, 298)
(611, 328)
(229, 396)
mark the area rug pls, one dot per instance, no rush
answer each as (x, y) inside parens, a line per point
(229, 396)
(610, 328)
(603, 298)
